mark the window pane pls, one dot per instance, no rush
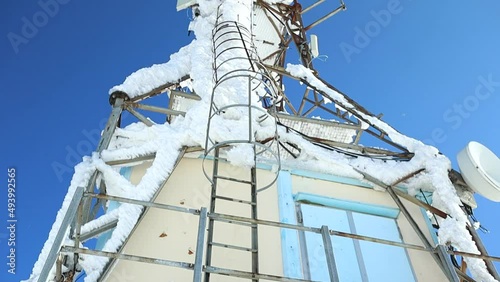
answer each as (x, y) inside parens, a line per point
(343, 248)
(355, 259)
(382, 262)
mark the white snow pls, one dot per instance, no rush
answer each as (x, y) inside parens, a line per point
(100, 221)
(147, 79)
(166, 140)
(476, 225)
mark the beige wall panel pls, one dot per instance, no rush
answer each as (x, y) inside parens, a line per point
(188, 187)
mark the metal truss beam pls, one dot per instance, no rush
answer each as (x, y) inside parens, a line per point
(482, 249)
(158, 90)
(313, 5)
(118, 100)
(381, 134)
(172, 263)
(327, 16)
(132, 160)
(139, 116)
(143, 203)
(58, 241)
(330, 258)
(295, 28)
(155, 109)
(98, 231)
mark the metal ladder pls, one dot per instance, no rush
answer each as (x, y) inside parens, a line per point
(236, 63)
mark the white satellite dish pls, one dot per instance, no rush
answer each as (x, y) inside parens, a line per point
(480, 169)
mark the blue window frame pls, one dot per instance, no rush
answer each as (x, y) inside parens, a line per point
(356, 260)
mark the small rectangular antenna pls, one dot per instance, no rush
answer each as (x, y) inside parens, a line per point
(314, 46)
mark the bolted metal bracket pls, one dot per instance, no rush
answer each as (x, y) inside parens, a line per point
(118, 94)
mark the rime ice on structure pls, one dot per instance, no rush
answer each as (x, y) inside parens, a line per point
(164, 141)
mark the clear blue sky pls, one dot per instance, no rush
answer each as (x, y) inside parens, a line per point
(420, 69)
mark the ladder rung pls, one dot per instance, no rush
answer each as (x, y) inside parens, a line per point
(250, 275)
(248, 224)
(235, 200)
(233, 179)
(233, 247)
